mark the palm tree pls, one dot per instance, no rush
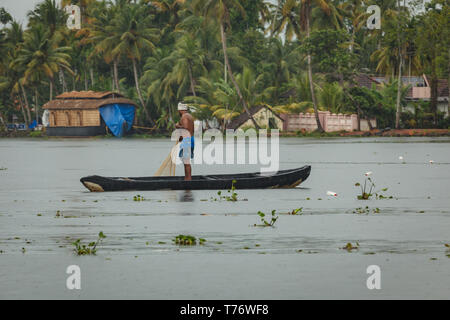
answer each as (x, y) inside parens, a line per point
(215, 100)
(294, 16)
(160, 89)
(220, 10)
(278, 66)
(331, 97)
(49, 14)
(5, 17)
(12, 81)
(168, 11)
(356, 16)
(189, 60)
(41, 59)
(103, 39)
(130, 35)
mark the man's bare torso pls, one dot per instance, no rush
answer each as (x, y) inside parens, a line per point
(187, 122)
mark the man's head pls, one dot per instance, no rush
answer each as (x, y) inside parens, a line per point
(183, 108)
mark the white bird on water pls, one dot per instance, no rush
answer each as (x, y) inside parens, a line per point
(368, 173)
(331, 193)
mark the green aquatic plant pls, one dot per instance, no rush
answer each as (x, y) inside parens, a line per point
(295, 212)
(232, 194)
(138, 198)
(365, 194)
(366, 210)
(368, 190)
(88, 249)
(187, 240)
(3, 169)
(266, 223)
(349, 247)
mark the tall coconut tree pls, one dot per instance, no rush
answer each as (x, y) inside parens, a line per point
(14, 41)
(131, 35)
(220, 11)
(188, 58)
(160, 92)
(294, 17)
(104, 40)
(49, 14)
(41, 58)
(168, 13)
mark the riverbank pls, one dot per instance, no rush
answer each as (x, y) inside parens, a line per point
(298, 134)
(372, 133)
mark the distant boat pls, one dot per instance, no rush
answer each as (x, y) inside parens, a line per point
(89, 113)
(281, 179)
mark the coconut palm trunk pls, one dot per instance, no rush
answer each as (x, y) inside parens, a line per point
(113, 83)
(399, 93)
(3, 121)
(230, 73)
(448, 81)
(27, 105)
(310, 76)
(63, 80)
(138, 89)
(191, 79)
(116, 75)
(434, 94)
(51, 89)
(91, 71)
(36, 108)
(24, 115)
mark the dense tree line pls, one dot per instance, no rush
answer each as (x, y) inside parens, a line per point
(225, 56)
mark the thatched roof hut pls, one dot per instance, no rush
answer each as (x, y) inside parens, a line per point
(88, 113)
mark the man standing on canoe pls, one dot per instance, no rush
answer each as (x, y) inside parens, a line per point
(187, 139)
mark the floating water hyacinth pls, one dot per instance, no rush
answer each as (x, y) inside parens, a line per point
(331, 193)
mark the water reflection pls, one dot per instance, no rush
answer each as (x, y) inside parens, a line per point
(186, 196)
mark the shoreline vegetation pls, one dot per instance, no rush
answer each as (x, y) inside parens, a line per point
(227, 58)
(298, 134)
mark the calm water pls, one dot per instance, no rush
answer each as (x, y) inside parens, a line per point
(138, 260)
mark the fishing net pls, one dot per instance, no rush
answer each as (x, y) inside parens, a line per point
(168, 166)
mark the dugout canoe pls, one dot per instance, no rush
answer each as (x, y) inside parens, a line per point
(281, 179)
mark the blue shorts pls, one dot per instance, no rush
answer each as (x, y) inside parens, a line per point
(187, 148)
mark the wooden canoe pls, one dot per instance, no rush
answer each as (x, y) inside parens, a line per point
(281, 179)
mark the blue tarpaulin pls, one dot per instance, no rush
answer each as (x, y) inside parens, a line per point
(118, 117)
(33, 124)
